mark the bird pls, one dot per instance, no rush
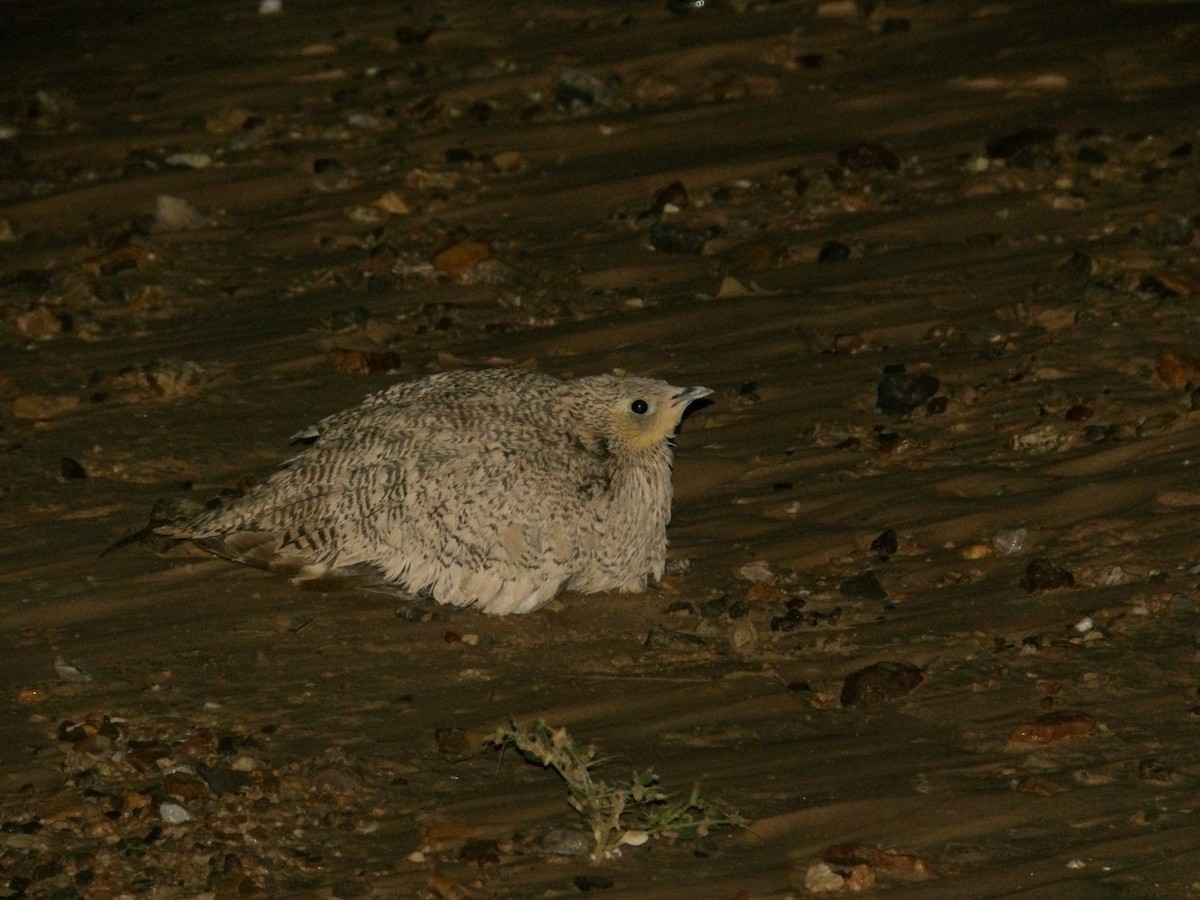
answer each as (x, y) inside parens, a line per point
(495, 489)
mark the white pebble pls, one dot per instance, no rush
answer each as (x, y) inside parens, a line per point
(1010, 541)
(1084, 625)
(173, 813)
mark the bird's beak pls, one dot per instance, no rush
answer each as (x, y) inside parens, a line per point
(686, 396)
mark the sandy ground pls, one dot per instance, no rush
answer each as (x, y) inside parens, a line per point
(220, 226)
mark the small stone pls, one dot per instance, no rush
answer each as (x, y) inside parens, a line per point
(70, 470)
(1027, 149)
(820, 878)
(659, 638)
(71, 673)
(40, 323)
(899, 393)
(564, 842)
(43, 406)
(173, 813)
(340, 779)
(886, 544)
(1045, 438)
(508, 162)
(1053, 726)
(366, 362)
(461, 257)
(1044, 575)
(758, 570)
(743, 636)
(588, 883)
(176, 214)
(189, 160)
(445, 835)
(878, 683)
(864, 586)
(455, 742)
(1039, 786)
(185, 786)
(761, 592)
(833, 251)
(888, 862)
(848, 343)
(391, 202)
(1169, 232)
(1009, 541)
(867, 156)
(575, 91)
(755, 256)
(667, 237)
(673, 195)
(1177, 370)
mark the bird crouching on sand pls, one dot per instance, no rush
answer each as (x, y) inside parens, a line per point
(495, 489)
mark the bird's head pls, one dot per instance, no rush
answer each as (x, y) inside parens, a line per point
(636, 414)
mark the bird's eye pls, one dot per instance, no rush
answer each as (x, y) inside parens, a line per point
(641, 407)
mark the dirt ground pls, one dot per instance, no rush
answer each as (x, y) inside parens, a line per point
(937, 261)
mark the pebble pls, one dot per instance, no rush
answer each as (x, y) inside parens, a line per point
(1028, 148)
(189, 160)
(848, 343)
(1044, 575)
(42, 407)
(886, 544)
(1176, 369)
(176, 214)
(667, 237)
(867, 156)
(878, 683)
(70, 470)
(743, 637)
(575, 91)
(889, 862)
(659, 638)
(459, 258)
(758, 570)
(1045, 438)
(820, 878)
(564, 842)
(1053, 726)
(864, 586)
(41, 323)
(833, 251)
(173, 813)
(71, 673)
(899, 393)
(185, 786)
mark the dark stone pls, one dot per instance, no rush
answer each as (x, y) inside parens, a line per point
(667, 237)
(880, 682)
(887, 543)
(833, 251)
(864, 586)
(1029, 148)
(899, 393)
(867, 156)
(587, 883)
(70, 469)
(1044, 575)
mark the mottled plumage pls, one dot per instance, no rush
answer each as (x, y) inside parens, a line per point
(495, 489)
